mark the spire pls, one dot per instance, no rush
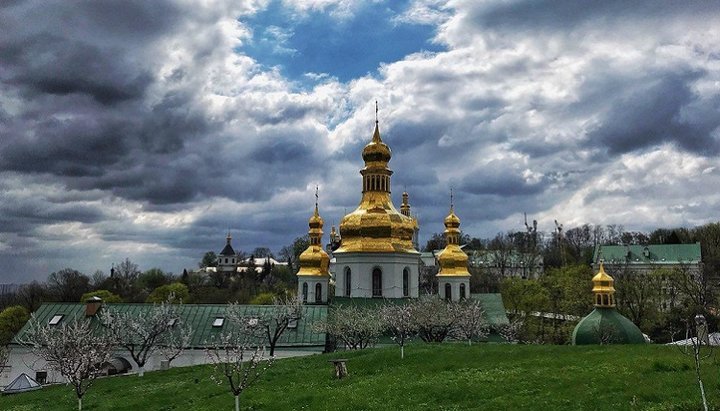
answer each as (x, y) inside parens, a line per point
(376, 134)
(452, 259)
(452, 205)
(317, 213)
(314, 260)
(228, 239)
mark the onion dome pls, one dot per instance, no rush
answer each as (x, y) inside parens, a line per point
(452, 259)
(376, 225)
(314, 261)
(604, 325)
(228, 250)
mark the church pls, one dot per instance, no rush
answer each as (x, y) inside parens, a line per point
(375, 254)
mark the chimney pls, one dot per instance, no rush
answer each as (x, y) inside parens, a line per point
(92, 305)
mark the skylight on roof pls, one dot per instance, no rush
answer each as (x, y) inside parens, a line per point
(56, 319)
(171, 322)
(218, 322)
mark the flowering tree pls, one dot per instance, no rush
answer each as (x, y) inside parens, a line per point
(238, 358)
(140, 333)
(399, 322)
(4, 356)
(469, 320)
(175, 341)
(274, 320)
(511, 332)
(434, 318)
(73, 349)
(357, 328)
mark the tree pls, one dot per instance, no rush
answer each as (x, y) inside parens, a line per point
(399, 322)
(153, 278)
(123, 277)
(356, 327)
(32, 295)
(501, 249)
(470, 321)
(4, 357)
(237, 358)
(68, 285)
(12, 320)
(175, 341)
(262, 252)
(435, 242)
(291, 253)
(175, 293)
(139, 333)
(208, 260)
(434, 319)
(71, 348)
(638, 295)
(106, 296)
(272, 322)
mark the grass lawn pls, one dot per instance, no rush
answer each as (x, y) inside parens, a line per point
(440, 377)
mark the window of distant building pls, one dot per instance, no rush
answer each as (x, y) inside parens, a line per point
(462, 291)
(348, 282)
(318, 293)
(406, 282)
(376, 282)
(305, 292)
(448, 291)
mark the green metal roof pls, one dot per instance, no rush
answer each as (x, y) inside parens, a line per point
(199, 316)
(648, 254)
(606, 326)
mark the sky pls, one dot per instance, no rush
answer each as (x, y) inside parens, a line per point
(148, 129)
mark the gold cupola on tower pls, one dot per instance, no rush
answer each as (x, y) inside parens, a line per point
(376, 225)
(314, 261)
(603, 289)
(452, 259)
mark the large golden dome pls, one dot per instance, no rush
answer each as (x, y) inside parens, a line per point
(376, 226)
(452, 259)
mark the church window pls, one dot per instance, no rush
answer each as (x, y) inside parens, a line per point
(348, 282)
(462, 291)
(597, 299)
(377, 283)
(305, 292)
(406, 282)
(318, 293)
(605, 299)
(448, 291)
(226, 260)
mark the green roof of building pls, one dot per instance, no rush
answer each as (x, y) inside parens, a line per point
(648, 254)
(606, 326)
(199, 316)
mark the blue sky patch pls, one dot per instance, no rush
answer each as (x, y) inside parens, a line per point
(317, 45)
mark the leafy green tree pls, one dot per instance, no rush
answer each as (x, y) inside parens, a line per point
(153, 278)
(263, 299)
(174, 293)
(106, 296)
(12, 320)
(208, 260)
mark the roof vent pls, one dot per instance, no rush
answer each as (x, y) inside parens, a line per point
(92, 305)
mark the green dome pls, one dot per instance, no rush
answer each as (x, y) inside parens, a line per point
(606, 326)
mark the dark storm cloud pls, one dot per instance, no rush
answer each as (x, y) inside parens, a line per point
(498, 179)
(652, 112)
(561, 15)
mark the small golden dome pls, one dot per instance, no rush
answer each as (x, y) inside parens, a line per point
(452, 259)
(314, 261)
(376, 151)
(603, 288)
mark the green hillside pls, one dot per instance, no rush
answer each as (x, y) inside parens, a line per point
(444, 377)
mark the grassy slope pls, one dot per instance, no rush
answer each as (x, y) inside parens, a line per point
(446, 377)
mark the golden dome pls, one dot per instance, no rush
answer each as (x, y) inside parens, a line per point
(314, 261)
(375, 225)
(603, 288)
(452, 259)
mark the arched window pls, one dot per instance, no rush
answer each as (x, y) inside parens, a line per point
(376, 282)
(348, 282)
(448, 291)
(605, 299)
(318, 293)
(462, 291)
(305, 292)
(597, 299)
(406, 282)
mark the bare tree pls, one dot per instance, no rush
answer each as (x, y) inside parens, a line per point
(274, 320)
(175, 341)
(140, 333)
(73, 349)
(238, 359)
(399, 322)
(699, 347)
(357, 328)
(470, 321)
